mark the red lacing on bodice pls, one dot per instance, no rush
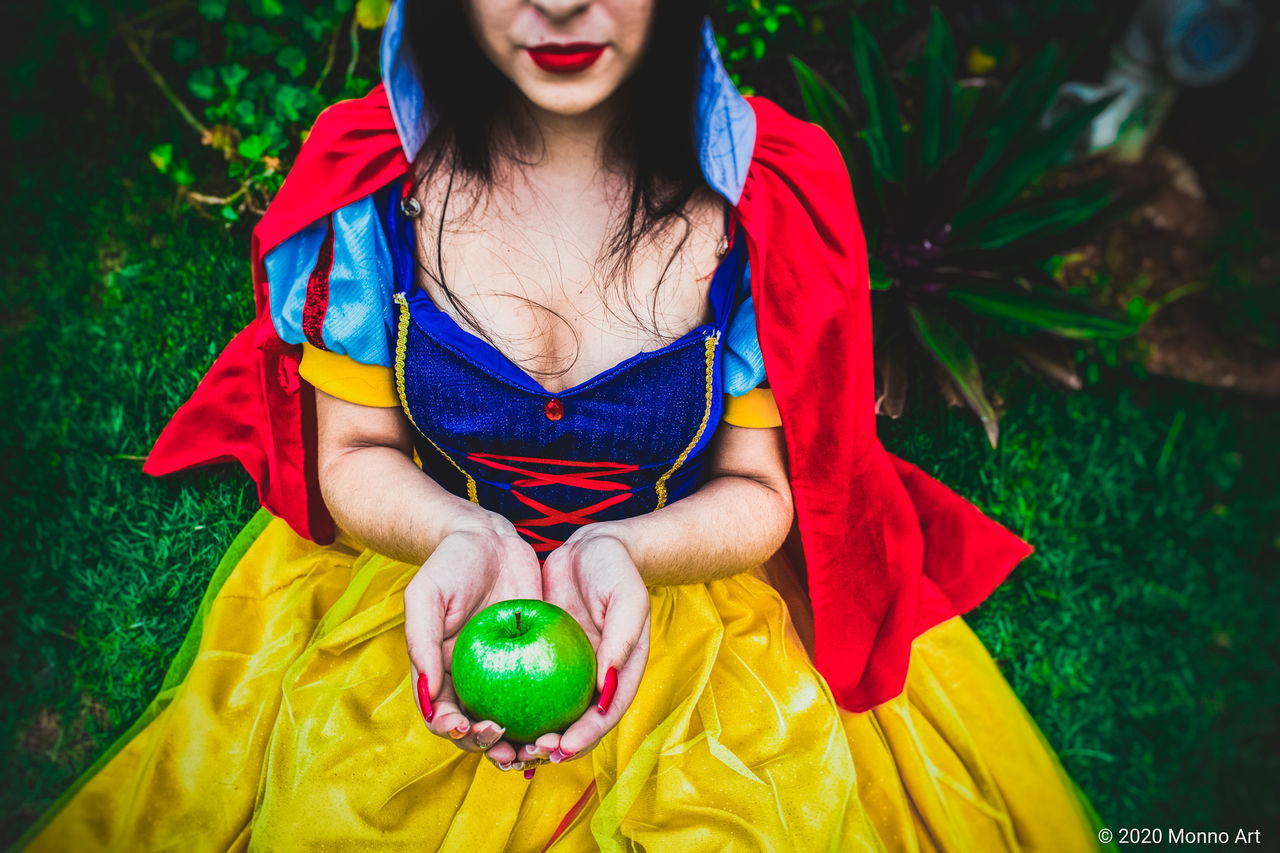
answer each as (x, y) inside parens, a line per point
(588, 478)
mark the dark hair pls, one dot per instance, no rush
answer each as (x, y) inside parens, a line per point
(654, 136)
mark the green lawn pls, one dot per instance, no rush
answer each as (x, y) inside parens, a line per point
(1140, 634)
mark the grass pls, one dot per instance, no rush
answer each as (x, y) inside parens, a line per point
(1140, 635)
(113, 312)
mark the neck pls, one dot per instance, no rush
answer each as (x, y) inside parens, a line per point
(567, 150)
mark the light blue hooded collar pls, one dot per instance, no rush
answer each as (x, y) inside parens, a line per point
(725, 124)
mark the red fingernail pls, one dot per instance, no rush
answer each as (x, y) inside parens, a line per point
(528, 774)
(424, 697)
(610, 688)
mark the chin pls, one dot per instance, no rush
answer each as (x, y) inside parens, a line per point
(568, 98)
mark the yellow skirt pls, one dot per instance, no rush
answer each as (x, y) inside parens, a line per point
(291, 726)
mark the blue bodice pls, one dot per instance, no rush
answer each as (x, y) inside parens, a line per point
(625, 442)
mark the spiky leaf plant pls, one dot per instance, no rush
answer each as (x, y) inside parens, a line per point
(958, 220)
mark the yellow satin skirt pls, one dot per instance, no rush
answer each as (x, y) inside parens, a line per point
(293, 727)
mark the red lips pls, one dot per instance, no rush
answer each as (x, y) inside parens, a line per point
(566, 58)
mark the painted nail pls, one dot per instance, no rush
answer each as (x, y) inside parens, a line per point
(610, 688)
(528, 774)
(506, 766)
(424, 697)
(558, 755)
(459, 732)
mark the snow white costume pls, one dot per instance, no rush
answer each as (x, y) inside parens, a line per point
(831, 699)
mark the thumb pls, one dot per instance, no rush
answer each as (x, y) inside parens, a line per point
(424, 634)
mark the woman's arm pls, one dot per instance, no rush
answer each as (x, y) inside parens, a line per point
(469, 557)
(736, 521)
(374, 490)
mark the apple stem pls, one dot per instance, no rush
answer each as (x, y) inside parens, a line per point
(517, 620)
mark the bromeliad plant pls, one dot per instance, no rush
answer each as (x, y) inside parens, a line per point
(959, 223)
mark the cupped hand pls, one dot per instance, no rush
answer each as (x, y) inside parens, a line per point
(472, 568)
(593, 577)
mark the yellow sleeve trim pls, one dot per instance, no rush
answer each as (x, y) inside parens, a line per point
(756, 408)
(347, 379)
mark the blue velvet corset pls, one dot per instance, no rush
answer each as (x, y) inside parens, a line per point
(625, 442)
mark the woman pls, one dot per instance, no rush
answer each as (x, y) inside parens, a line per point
(515, 313)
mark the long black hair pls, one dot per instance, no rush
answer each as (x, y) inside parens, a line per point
(468, 99)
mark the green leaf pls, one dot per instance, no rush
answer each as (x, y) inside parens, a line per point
(1056, 313)
(274, 131)
(181, 174)
(357, 86)
(260, 40)
(967, 98)
(263, 85)
(229, 213)
(245, 112)
(825, 106)
(1019, 108)
(1139, 310)
(938, 133)
(880, 279)
(202, 83)
(883, 116)
(253, 147)
(342, 7)
(317, 28)
(941, 340)
(266, 8)
(289, 101)
(233, 75)
(212, 10)
(293, 60)
(881, 158)
(1037, 153)
(372, 14)
(1044, 218)
(161, 157)
(183, 50)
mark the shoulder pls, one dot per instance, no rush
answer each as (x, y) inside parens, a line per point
(798, 180)
(787, 143)
(351, 151)
(330, 284)
(353, 125)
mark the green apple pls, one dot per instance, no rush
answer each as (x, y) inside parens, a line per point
(525, 664)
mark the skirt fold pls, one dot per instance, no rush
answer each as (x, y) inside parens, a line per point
(295, 729)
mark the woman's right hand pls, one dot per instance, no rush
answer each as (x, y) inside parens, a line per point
(482, 561)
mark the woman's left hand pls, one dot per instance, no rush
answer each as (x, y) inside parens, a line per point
(593, 577)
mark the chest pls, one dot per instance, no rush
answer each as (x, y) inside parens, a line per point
(627, 439)
(544, 282)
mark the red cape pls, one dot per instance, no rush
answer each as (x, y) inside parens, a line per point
(889, 550)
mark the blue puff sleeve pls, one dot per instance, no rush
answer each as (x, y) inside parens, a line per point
(331, 285)
(743, 363)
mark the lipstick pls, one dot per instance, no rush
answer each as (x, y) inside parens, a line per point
(566, 58)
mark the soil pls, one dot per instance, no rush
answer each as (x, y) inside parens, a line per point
(1167, 245)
